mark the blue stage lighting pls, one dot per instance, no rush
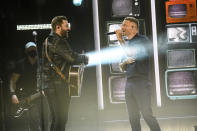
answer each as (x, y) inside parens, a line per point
(77, 2)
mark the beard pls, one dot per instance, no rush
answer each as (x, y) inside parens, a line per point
(64, 33)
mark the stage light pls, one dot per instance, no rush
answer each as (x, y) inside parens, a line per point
(155, 50)
(33, 27)
(77, 2)
(105, 56)
(114, 54)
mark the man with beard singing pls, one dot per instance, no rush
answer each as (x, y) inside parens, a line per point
(58, 53)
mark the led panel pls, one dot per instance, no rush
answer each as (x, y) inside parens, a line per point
(180, 58)
(181, 83)
(117, 89)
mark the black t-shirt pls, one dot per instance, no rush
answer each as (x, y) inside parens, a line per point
(26, 84)
(141, 68)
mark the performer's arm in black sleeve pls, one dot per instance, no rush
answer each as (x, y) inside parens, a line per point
(72, 57)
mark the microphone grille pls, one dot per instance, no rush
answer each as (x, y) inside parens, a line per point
(34, 33)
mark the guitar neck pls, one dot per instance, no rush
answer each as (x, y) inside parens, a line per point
(34, 96)
(30, 98)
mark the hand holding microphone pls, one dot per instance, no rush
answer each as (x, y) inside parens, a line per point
(119, 34)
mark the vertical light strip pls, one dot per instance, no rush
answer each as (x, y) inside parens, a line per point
(97, 47)
(155, 48)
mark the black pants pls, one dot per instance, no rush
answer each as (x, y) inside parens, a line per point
(34, 114)
(58, 100)
(138, 99)
(29, 120)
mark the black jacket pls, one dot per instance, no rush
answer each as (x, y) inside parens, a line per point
(61, 55)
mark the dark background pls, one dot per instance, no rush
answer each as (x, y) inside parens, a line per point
(12, 43)
(21, 12)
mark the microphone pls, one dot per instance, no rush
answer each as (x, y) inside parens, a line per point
(34, 33)
(110, 33)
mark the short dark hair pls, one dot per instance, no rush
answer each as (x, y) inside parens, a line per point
(132, 19)
(57, 20)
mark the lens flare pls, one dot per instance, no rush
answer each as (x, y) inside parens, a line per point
(105, 56)
(114, 54)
